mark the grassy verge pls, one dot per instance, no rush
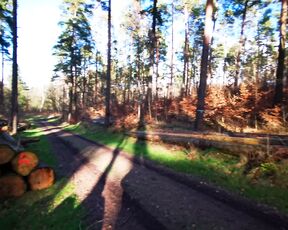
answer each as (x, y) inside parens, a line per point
(54, 208)
(211, 165)
(41, 148)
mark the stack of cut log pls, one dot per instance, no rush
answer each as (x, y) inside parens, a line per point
(20, 170)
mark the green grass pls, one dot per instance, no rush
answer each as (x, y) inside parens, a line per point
(54, 208)
(54, 119)
(41, 148)
(210, 165)
(32, 118)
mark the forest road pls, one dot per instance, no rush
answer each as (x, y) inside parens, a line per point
(118, 193)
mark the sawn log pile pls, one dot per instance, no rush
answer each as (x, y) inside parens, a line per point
(20, 170)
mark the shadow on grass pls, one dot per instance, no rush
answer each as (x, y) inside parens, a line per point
(53, 208)
(90, 166)
(140, 146)
(58, 207)
(211, 166)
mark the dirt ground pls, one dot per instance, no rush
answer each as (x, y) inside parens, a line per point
(120, 192)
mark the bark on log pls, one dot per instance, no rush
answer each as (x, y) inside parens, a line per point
(6, 154)
(4, 129)
(3, 122)
(7, 139)
(12, 185)
(41, 178)
(24, 163)
(250, 147)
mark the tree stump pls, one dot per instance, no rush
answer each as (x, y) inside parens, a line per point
(6, 154)
(24, 163)
(12, 185)
(41, 178)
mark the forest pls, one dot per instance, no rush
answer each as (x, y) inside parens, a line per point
(211, 63)
(200, 87)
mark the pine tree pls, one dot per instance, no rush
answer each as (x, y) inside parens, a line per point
(5, 42)
(281, 54)
(14, 94)
(74, 46)
(204, 65)
(108, 80)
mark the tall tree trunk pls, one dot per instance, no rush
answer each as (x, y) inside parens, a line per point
(281, 55)
(187, 77)
(241, 47)
(129, 84)
(108, 80)
(69, 116)
(84, 98)
(74, 101)
(140, 85)
(157, 68)
(2, 85)
(193, 70)
(204, 65)
(153, 60)
(71, 94)
(257, 75)
(210, 72)
(96, 81)
(14, 97)
(224, 71)
(85, 87)
(63, 102)
(186, 52)
(172, 55)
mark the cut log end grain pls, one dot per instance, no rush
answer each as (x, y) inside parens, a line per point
(41, 178)
(6, 154)
(12, 185)
(24, 163)
(4, 129)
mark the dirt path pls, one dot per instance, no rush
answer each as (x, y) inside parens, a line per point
(121, 194)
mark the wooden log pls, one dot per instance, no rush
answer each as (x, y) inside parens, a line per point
(24, 163)
(41, 178)
(4, 129)
(26, 141)
(3, 122)
(3, 125)
(7, 139)
(6, 168)
(6, 154)
(12, 185)
(249, 148)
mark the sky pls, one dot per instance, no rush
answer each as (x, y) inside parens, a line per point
(38, 31)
